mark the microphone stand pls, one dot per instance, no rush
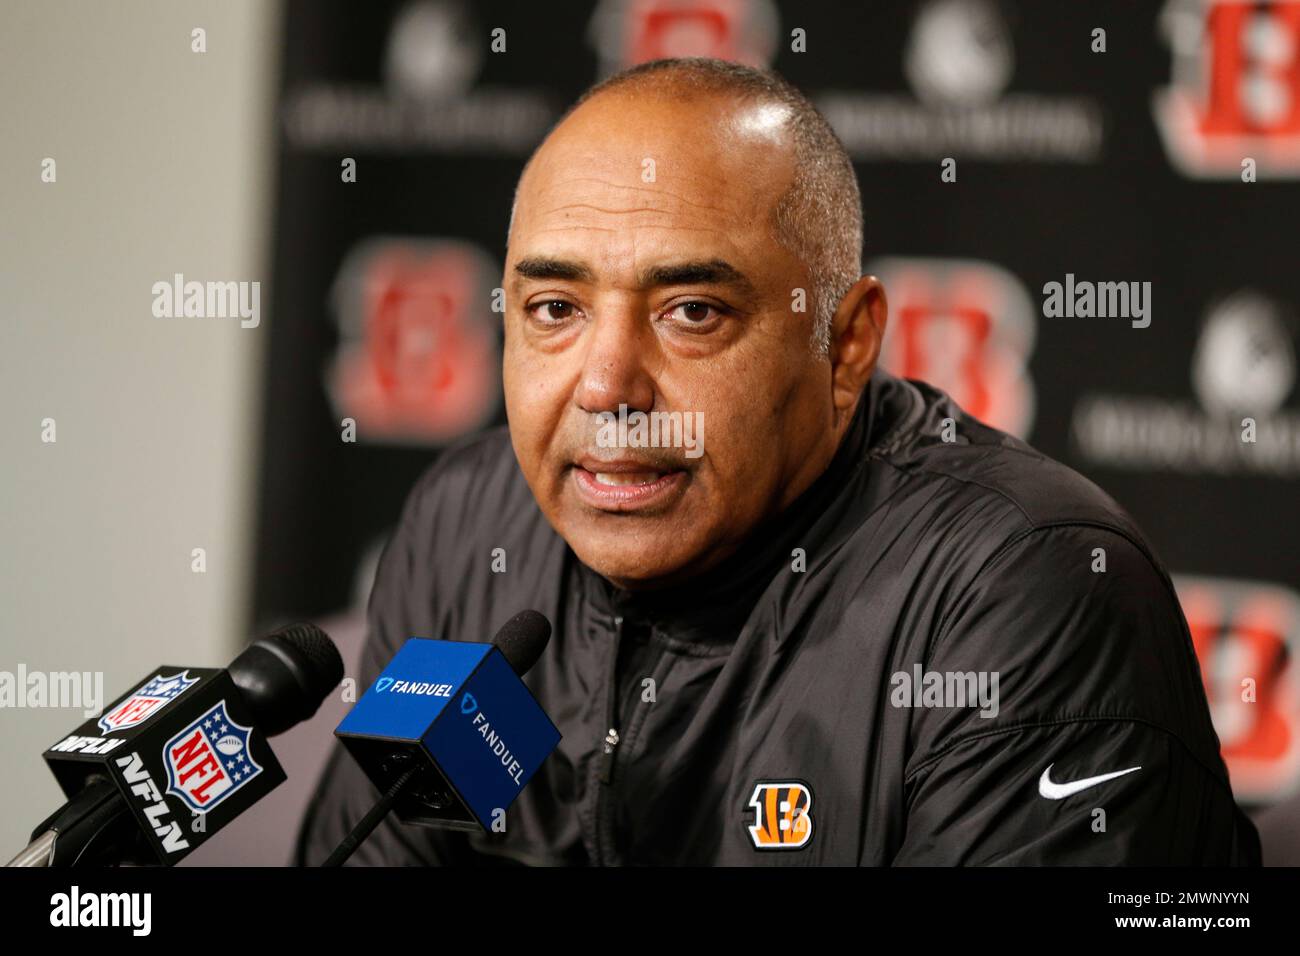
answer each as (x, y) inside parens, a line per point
(84, 831)
(369, 821)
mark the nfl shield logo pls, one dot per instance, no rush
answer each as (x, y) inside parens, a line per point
(209, 760)
(156, 693)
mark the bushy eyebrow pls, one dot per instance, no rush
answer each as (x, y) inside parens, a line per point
(542, 267)
(703, 272)
(707, 272)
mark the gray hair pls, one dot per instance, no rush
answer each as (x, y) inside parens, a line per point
(819, 217)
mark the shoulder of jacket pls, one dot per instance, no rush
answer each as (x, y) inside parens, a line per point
(948, 447)
(479, 464)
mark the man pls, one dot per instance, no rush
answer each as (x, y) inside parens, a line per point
(847, 625)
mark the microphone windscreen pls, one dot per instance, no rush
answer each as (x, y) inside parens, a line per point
(315, 653)
(522, 640)
(286, 675)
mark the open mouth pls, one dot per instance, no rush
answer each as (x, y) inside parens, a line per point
(625, 486)
(624, 479)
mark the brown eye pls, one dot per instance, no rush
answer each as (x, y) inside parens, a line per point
(553, 310)
(694, 315)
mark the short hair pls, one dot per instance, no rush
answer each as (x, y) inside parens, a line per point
(819, 217)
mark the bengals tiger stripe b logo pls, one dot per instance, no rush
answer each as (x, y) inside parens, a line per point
(782, 818)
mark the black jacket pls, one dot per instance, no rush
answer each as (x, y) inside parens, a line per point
(761, 715)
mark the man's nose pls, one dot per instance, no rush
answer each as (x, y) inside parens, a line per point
(614, 368)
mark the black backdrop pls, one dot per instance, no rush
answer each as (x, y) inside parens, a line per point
(1123, 165)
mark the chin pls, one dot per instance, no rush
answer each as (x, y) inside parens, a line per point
(644, 562)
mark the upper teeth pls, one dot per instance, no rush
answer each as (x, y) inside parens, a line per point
(627, 477)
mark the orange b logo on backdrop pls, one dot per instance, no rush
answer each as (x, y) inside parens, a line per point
(1247, 635)
(1235, 87)
(782, 817)
(966, 327)
(419, 358)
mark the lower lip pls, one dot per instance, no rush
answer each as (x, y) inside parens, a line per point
(625, 497)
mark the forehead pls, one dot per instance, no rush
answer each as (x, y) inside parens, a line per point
(631, 176)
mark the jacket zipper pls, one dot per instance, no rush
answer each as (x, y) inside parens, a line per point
(609, 745)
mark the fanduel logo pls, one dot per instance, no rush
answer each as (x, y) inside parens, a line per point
(490, 737)
(422, 688)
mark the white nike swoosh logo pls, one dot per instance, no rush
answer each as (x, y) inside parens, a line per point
(1059, 791)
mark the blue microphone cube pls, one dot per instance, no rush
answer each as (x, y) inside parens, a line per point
(458, 713)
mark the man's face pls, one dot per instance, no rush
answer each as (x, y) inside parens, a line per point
(642, 271)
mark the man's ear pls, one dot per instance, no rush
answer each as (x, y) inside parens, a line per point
(856, 333)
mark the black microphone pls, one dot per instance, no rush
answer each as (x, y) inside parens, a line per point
(179, 757)
(285, 676)
(522, 639)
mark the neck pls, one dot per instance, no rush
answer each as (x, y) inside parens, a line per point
(769, 542)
